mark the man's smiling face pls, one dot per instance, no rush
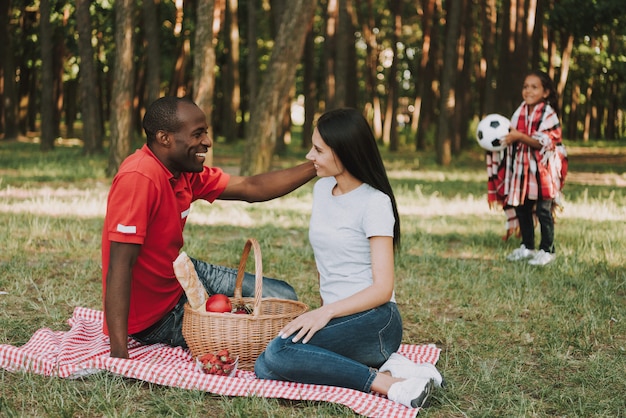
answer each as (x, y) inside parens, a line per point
(189, 145)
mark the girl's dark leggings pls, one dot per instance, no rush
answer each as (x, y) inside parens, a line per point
(543, 211)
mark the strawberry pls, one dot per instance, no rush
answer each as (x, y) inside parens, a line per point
(224, 356)
(205, 358)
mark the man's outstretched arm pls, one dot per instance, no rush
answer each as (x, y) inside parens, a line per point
(267, 186)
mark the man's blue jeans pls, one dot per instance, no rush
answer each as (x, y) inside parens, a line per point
(344, 353)
(216, 279)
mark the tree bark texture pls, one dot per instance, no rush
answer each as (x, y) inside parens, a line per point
(47, 78)
(204, 66)
(122, 93)
(9, 88)
(90, 109)
(265, 115)
(448, 80)
(153, 51)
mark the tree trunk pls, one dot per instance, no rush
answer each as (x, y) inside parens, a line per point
(610, 131)
(330, 53)
(506, 45)
(448, 80)
(588, 112)
(488, 64)
(90, 102)
(390, 127)
(565, 63)
(428, 8)
(343, 46)
(122, 92)
(521, 53)
(252, 62)
(177, 84)
(429, 98)
(463, 91)
(309, 88)
(153, 51)
(352, 66)
(283, 133)
(69, 103)
(203, 66)
(9, 92)
(58, 92)
(537, 33)
(47, 78)
(277, 82)
(230, 77)
(372, 108)
(28, 89)
(572, 119)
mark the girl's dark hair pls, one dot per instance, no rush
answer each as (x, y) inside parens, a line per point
(548, 84)
(161, 116)
(349, 135)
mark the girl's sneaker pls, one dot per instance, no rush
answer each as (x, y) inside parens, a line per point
(521, 253)
(541, 258)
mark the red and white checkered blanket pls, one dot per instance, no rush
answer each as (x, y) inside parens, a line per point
(84, 349)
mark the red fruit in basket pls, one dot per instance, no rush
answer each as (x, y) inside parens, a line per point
(218, 303)
(224, 356)
(205, 358)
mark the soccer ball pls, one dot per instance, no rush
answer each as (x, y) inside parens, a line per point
(491, 130)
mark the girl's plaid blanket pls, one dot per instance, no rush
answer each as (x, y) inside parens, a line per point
(84, 350)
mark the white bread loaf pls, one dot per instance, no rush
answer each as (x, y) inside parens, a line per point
(188, 278)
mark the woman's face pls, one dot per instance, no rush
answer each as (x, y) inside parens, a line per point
(323, 157)
(533, 91)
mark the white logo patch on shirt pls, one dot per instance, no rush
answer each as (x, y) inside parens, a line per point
(184, 213)
(126, 229)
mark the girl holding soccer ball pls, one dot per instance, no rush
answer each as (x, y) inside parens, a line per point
(534, 168)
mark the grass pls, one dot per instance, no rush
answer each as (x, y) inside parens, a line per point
(516, 341)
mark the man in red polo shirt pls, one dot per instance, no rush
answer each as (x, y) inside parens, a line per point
(147, 208)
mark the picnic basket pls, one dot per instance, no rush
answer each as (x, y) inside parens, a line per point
(243, 335)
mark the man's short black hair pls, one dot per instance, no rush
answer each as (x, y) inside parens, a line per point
(161, 115)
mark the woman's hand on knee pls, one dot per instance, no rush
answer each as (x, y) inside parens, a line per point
(306, 325)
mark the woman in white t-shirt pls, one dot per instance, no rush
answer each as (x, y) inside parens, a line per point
(350, 341)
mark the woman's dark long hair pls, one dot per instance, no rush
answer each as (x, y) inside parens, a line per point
(548, 84)
(349, 135)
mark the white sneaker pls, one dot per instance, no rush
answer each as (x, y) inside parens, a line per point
(520, 253)
(400, 366)
(412, 393)
(541, 258)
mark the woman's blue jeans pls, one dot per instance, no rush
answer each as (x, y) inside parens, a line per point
(344, 353)
(216, 279)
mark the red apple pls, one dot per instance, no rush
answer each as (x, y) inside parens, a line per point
(218, 303)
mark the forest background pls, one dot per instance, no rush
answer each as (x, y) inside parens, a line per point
(76, 76)
(423, 72)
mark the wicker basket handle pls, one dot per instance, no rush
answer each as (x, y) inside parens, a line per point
(258, 274)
